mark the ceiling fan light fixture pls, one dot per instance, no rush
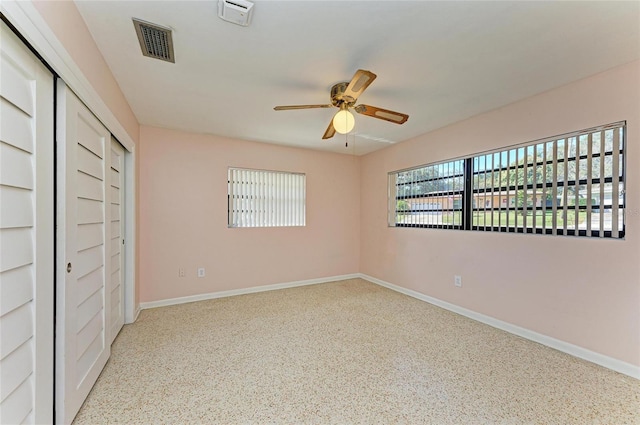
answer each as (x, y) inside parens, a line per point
(344, 121)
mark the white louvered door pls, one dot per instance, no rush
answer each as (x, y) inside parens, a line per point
(116, 280)
(83, 264)
(26, 235)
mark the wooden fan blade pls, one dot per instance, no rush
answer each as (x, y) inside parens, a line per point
(330, 131)
(383, 114)
(360, 81)
(286, 108)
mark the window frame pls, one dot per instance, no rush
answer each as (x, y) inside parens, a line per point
(417, 215)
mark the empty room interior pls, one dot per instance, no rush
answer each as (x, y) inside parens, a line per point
(319, 212)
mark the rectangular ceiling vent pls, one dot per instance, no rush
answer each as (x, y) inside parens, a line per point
(235, 11)
(155, 41)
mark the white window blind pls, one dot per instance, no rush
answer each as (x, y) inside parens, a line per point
(259, 198)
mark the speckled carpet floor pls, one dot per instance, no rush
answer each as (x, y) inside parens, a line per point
(347, 352)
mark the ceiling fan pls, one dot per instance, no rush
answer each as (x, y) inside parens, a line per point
(344, 96)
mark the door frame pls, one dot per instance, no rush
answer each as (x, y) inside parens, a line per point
(31, 25)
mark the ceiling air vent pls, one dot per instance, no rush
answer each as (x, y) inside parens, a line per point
(155, 41)
(235, 11)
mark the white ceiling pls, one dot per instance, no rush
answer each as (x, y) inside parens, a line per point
(439, 62)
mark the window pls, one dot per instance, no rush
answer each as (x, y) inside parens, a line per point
(429, 196)
(258, 198)
(567, 185)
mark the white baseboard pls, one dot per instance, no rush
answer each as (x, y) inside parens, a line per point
(254, 289)
(129, 319)
(574, 350)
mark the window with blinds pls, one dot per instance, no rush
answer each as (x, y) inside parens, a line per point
(259, 198)
(572, 184)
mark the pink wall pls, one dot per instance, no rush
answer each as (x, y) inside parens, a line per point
(183, 216)
(65, 21)
(582, 291)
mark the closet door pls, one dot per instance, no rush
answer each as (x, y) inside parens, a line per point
(26, 235)
(116, 281)
(83, 242)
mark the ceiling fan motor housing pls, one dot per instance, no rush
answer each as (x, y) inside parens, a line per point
(338, 98)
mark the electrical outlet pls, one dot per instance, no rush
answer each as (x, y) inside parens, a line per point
(201, 272)
(457, 281)
(181, 272)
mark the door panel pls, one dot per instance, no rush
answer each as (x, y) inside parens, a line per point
(15, 165)
(26, 234)
(89, 187)
(91, 164)
(15, 127)
(14, 291)
(16, 208)
(83, 298)
(89, 235)
(89, 284)
(17, 73)
(90, 212)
